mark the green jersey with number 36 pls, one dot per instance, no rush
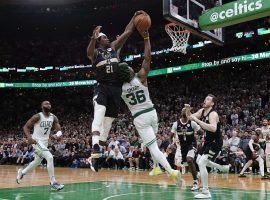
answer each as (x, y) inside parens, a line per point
(136, 96)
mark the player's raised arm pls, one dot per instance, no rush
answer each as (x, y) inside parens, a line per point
(143, 73)
(213, 121)
(92, 44)
(120, 41)
(27, 127)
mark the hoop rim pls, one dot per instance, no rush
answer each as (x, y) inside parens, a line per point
(173, 25)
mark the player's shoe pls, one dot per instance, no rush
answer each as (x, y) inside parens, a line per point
(19, 176)
(155, 171)
(242, 176)
(56, 186)
(265, 177)
(195, 186)
(176, 176)
(205, 194)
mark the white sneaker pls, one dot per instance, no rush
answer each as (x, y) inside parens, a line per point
(19, 176)
(195, 186)
(205, 194)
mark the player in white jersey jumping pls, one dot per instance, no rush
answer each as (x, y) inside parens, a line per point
(136, 95)
(42, 123)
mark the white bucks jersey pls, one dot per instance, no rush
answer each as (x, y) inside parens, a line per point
(136, 96)
(42, 128)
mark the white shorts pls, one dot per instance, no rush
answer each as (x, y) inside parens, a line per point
(40, 147)
(178, 158)
(147, 126)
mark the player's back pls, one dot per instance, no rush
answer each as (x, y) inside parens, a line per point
(106, 66)
(136, 96)
(42, 128)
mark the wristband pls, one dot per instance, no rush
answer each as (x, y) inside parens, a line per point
(59, 133)
(146, 38)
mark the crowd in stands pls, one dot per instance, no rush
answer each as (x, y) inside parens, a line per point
(243, 90)
(243, 102)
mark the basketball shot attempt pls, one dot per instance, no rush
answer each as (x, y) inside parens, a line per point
(107, 93)
(135, 94)
(42, 122)
(208, 120)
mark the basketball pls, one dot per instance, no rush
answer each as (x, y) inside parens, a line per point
(142, 22)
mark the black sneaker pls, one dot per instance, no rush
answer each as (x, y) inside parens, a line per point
(242, 175)
(265, 177)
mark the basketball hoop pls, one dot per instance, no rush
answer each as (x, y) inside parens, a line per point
(179, 36)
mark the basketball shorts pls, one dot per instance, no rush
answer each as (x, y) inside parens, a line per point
(147, 126)
(188, 151)
(212, 149)
(108, 96)
(40, 147)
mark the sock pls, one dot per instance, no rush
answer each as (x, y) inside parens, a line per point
(246, 166)
(160, 157)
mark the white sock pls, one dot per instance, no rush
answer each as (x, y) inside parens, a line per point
(203, 171)
(261, 164)
(247, 165)
(160, 157)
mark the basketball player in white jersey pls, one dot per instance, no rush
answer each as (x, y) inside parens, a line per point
(42, 122)
(136, 95)
(266, 135)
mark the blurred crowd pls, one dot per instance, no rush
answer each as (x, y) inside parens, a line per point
(243, 104)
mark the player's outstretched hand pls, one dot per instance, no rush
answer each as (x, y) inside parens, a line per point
(31, 140)
(139, 12)
(96, 32)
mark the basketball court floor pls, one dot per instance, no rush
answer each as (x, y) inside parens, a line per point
(83, 184)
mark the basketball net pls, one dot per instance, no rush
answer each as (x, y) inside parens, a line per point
(179, 36)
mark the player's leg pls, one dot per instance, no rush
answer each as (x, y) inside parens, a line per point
(204, 177)
(156, 169)
(146, 131)
(192, 169)
(261, 165)
(267, 160)
(50, 167)
(29, 168)
(100, 102)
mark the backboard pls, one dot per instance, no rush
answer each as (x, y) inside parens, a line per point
(186, 13)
